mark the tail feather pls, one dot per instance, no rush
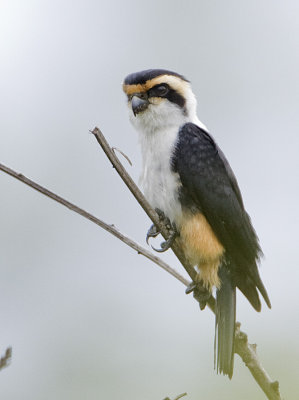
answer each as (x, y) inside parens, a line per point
(263, 291)
(225, 324)
(248, 288)
(248, 284)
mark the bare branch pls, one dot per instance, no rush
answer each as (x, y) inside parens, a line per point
(180, 396)
(245, 350)
(5, 360)
(177, 397)
(249, 356)
(109, 228)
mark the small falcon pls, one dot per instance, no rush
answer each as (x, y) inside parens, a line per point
(189, 182)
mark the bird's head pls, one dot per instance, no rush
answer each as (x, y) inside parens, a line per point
(158, 98)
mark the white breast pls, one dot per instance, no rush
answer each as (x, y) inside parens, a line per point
(159, 182)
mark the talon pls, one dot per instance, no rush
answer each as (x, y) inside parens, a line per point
(157, 250)
(168, 243)
(152, 233)
(190, 288)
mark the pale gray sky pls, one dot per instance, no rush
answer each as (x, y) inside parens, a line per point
(88, 318)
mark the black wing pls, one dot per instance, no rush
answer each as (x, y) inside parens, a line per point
(208, 179)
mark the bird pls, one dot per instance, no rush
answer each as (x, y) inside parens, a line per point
(187, 179)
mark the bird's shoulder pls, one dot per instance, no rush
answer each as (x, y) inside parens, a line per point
(199, 161)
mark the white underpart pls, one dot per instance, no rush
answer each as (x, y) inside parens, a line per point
(158, 128)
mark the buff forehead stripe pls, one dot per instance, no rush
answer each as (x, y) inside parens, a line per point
(176, 83)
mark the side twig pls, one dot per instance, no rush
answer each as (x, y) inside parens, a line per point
(177, 397)
(5, 360)
(109, 228)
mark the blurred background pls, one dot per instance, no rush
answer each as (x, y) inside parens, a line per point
(86, 316)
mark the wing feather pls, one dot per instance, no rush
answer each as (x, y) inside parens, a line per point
(208, 179)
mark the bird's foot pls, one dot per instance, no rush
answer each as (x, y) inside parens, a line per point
(200, 293)
(169, 242)
(172, 231)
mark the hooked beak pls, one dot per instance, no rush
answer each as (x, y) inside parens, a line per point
(139, 104)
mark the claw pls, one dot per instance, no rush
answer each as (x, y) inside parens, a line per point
(168, 243)
(190, 288)
(152, 233)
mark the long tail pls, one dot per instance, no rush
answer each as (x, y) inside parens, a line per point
(225, 324)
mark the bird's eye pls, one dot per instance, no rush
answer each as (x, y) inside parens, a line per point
(161, 90)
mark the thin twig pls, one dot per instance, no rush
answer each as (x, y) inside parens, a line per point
(180, 396)
(177, 397)
(123, 154)
(109, 228)
(5, 360)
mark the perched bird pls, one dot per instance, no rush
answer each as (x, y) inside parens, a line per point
(188, 180)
